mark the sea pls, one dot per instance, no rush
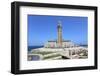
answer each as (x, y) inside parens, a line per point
(84, 45)
(33, 47)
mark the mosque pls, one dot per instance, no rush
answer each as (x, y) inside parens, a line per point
(59, 43)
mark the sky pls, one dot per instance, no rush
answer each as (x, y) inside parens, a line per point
(42, 28)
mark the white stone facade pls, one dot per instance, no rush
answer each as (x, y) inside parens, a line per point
(65, 44)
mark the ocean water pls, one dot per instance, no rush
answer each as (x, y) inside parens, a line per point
(84, 45)
(33, 47)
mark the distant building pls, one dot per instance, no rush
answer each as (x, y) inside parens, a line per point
(59, 43)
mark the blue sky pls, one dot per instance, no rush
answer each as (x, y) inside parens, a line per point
(43, 28)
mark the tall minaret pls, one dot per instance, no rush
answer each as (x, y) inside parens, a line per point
(59, 40)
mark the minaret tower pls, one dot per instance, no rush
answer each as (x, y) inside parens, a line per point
(59, 40)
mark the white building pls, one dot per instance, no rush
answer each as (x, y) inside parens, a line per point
(65, 44)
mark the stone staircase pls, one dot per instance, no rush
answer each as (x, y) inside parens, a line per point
(52, 56)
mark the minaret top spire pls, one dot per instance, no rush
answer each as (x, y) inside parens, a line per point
(59, 23)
